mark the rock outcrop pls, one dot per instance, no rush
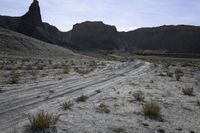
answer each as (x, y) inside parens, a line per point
(31, 20)
(94, 35)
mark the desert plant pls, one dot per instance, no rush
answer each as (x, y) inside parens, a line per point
(1, 90)
(198, 103)
(178, 74)
(66, 69)
(41, 120)
(188, 91)
(14, 78)
(139, 96)
(67, 105)
(151, 109)
(34, 72)
(82, 71)
(98, 91)
(51, 91)
(169, 74)
(82, 98)
(102, 108)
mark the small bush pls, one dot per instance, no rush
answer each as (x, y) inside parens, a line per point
(151, 109)
(51, 91)
(82, 98)
(34, 72)
(98, 91)
(41, 121)
(102, 108)
(1, 90)
(198, 103)
(14, 78)
(188, 91)
(67, 105)
(170, 74)
(66, 69)
(139, 96)
(178, 74)
(82, 71)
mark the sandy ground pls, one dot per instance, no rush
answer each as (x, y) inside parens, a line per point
(117, 83)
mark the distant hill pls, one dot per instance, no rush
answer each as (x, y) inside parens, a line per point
(13, 43)
(99, 36)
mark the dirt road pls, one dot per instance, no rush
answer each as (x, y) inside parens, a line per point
(17, 102)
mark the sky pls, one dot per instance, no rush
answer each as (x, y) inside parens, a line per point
(124, 14)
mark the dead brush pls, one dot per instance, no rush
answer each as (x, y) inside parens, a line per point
(102, 108)
(82, 98)
(151, 109)
(139, 96)
(14, 78)
(188, 91)
(41, 120)
(1, 90)
(198, 102)
(178, 74)
(67, 105)
(66, 69)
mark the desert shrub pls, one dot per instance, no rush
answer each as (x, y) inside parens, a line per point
(67, 105)
(29, 67)
(14, 78)
(188, 91)
(82, 71)
(51, 91)
(151, 109)
(98, 91)
(1, 66)
(66, 69)
(82, 98)
(139, 96)
(40, 67)
(41, 120)
(178, 74)
(34, 72)
(102, 108)
(169, 74)
(1, 90)
(198, 103)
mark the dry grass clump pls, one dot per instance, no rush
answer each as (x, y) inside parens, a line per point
(151, 109)
(178, 74)
(82, 71)
(14, 78)
(188, 91)
(66, 69)
(1, 90)
(41, 120)
(139, 96)
(102, 108)
(34, 72)
(82, 98)
(67, 105)
(198, 103)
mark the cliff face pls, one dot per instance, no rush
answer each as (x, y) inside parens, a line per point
(94, 35)
(173, 39)
(97, 35)
(31, 24)
(31, 20)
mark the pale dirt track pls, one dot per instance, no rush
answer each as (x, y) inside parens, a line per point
(18, 101)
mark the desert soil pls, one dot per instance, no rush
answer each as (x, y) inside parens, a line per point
(114, 85)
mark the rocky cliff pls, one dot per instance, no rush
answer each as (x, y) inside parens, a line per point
(99, 36)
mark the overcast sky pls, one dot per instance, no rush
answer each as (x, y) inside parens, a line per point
(124, 14)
